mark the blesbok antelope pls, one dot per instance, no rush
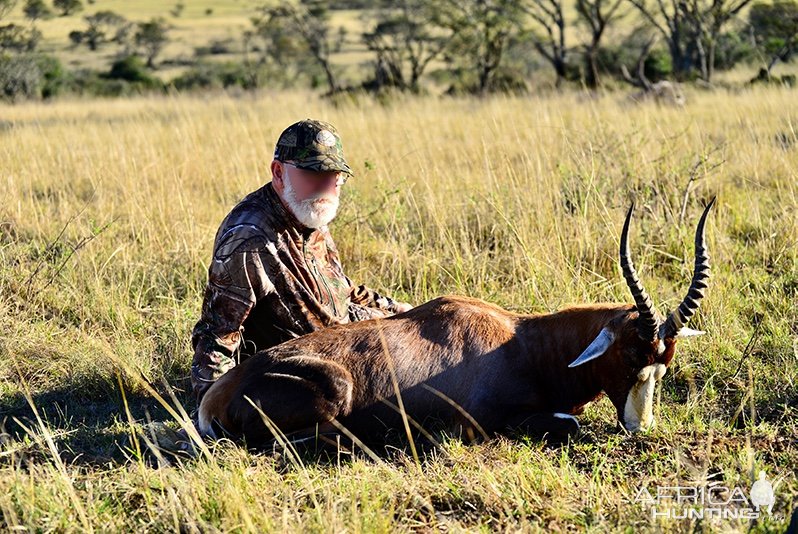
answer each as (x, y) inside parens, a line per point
(462, 361)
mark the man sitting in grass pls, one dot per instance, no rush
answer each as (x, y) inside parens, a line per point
(275, 272)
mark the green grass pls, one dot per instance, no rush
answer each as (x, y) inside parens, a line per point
(109, 212)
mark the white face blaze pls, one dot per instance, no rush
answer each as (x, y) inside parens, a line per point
(638, 414)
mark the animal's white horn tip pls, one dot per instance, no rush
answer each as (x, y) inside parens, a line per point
(689, 332)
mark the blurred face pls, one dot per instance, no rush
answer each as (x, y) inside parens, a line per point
(311, 196)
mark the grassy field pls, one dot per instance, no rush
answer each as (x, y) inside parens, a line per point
(106, 226)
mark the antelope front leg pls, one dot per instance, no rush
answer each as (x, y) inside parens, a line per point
(295, 393)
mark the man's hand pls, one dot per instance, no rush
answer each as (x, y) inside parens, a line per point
(207, 368)
(402, 307)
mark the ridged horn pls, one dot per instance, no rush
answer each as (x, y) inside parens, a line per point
(682, 315)
(648, 321)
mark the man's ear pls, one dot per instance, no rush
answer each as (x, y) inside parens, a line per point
(277, 175)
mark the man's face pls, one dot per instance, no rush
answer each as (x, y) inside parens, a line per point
(310, 195)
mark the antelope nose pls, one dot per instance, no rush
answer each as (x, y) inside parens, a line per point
(636, 427)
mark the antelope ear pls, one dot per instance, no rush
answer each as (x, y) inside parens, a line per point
(689, 332)
(599, 346)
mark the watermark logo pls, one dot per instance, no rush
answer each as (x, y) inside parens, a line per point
(707, 502)
(762, 493)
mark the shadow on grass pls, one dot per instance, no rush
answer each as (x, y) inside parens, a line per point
(89, 426)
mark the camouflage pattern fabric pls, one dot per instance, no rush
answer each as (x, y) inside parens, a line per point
(271, 279)
(314, 145)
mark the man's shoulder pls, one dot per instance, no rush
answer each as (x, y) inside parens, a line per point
(250, 225)
(241, 237)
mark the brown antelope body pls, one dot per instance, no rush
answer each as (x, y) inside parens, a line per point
(463, 361)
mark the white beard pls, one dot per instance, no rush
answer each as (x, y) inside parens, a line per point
(314, 212)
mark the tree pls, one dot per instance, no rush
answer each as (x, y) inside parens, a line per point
(68, 7)
(20, 74)
(482, 30)
(691, 28)
(707, 20)
(19, 77)
(100, 26)
(597, 15)
(17, 38)
(124, 36)
(775, 28)
(548, 14)
(177, 10)
(36, 9)
(152, 36)
(76, 37)
(405, 43)
(669, 20)
(6, 6)
(304, 29)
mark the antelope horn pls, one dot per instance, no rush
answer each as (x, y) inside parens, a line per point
(680, 317)
(648, 321)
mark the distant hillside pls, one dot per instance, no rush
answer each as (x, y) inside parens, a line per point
(209, 28)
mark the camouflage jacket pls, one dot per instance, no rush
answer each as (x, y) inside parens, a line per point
(271, 279)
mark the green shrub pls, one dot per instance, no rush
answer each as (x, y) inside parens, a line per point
(219, 76)
(127, 77)
(131, 69)
(20, 77)
(55, 79)
(658, 64)
(733, 48)
(775, 26)
(32, 76)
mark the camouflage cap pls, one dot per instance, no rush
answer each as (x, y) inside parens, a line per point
(313, 145)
